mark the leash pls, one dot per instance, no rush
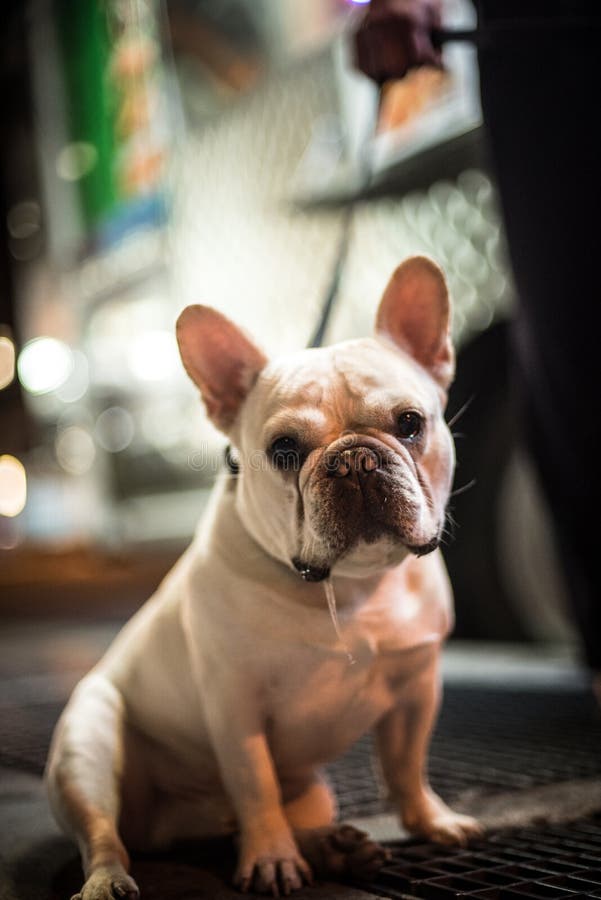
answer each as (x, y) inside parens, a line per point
(231, 463)
(510, 28)
(365, 172)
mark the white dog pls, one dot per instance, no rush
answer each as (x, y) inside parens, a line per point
(217, 705)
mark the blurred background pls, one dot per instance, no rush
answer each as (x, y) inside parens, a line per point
(226, 152)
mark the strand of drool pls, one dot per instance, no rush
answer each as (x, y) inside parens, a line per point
(331, 598)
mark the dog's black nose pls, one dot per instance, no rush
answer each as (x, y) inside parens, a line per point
(308, 572)
(355, 460)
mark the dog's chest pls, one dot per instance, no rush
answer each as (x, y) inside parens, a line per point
(317, 701)
(323, 702)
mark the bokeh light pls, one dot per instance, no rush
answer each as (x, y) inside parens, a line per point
(23, 220)
(76, 385)
(7, 361)
(44, 364)
(75, 450)
(76, 160)
(114, 429)
(13, 486)
(153, 356)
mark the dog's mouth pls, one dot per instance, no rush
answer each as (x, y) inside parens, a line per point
(424, 549)
(318, 572)
(310, 572)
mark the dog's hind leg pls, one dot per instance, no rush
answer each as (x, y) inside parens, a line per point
(83, 777)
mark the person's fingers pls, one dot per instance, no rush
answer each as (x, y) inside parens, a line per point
(384, 50)
(396, 35)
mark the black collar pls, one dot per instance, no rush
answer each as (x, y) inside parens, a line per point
(233, 466)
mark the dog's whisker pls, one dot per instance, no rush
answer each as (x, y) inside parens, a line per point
(460, 412)
(446, 537)
(448, 528)
(451, 518)
(463, 488)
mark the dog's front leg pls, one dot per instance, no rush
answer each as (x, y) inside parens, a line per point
(269, 859)
(403, 738)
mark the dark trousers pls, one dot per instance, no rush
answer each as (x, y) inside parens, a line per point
(541, 102)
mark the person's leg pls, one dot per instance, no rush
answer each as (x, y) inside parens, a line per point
(539, 96)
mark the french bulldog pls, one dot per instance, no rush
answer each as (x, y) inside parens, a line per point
(216, 707)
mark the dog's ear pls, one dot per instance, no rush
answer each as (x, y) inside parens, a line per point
(415, 313)
(221, 361)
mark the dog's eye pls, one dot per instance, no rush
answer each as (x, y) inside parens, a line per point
(285, 454)
(409, 425)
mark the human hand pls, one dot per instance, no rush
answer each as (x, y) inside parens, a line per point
(396, 35)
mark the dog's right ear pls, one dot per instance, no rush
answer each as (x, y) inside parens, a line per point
(415, 314)
(221, 361)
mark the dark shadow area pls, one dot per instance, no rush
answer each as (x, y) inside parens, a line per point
(486, 437)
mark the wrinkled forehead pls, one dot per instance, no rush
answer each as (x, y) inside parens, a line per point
(342, 383)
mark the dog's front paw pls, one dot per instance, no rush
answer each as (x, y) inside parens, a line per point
(109, 883)
(271, 866)
(431, 818)
(342, 850)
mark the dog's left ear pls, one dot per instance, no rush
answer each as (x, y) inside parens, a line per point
(415, 313)
(221, 361)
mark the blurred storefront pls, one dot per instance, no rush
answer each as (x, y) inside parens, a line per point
(218, 151)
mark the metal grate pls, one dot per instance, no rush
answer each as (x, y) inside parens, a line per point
(490, 741)
(487, 741)
(551, 862)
